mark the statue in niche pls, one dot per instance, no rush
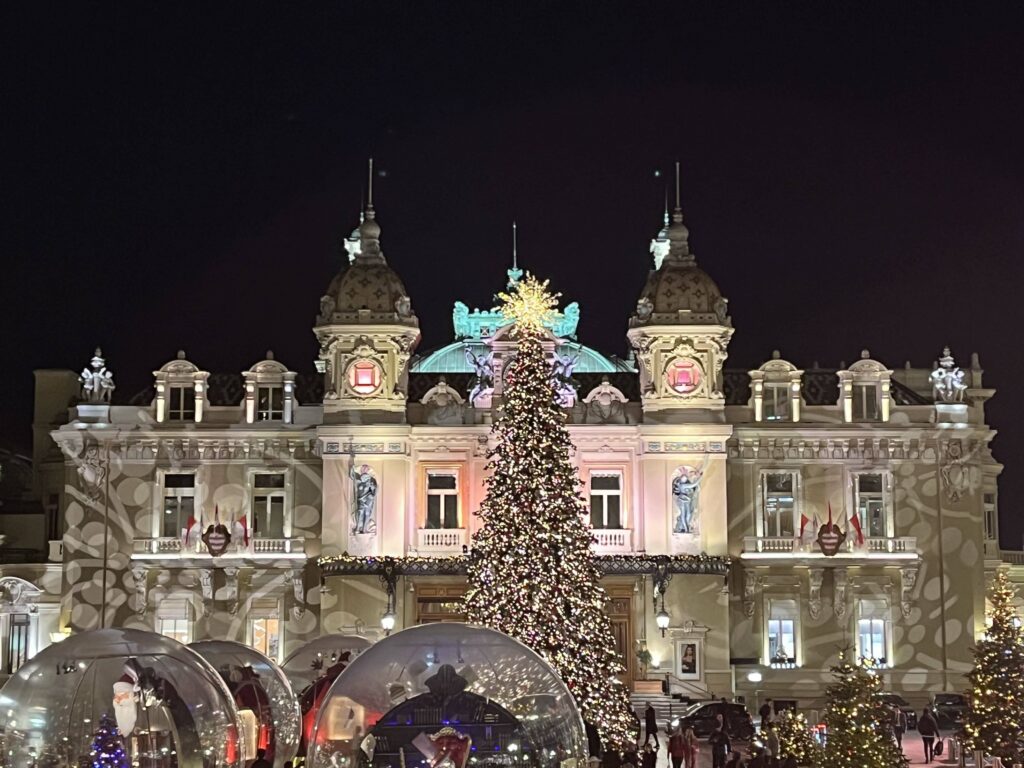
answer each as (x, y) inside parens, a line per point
(604, 404)
(326, 308)
(948, 380)
(97, 384)
(365, 485)
(483, 367)
(686, 497)
(956, 471)
(644, 309)
(403, 306)
(443, 404)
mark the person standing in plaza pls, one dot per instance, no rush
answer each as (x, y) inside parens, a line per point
(928, 728)
(899, 725)
(651, 726)
(720, 746)
(765, 712)
(677, 747)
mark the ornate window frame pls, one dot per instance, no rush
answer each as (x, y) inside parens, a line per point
(179, 373)
(865, 373)
(872, 607)
(425, 470)
(610, 470)
(287, 493)
(198, 496)
(759, 506)
(261, 609)
(773, 375)
(782, 607)
(888, 498)
(269, 373)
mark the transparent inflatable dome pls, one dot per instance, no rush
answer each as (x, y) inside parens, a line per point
(313, 668)
(139, 697)
(268, 714)
(448, 696)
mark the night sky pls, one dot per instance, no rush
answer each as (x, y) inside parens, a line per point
(853, 175)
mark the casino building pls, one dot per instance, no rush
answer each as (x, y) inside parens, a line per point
(750, 523)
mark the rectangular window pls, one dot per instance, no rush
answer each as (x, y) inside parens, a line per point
(17, 642)
(776, 402)
(265, 634)
(873, 630)
(442, 500)
(778, 503)
(606, 500)
(991, 519)
(781, 633)
(865, 402)
(269, 403)
(871, 503)
(181, 403)
(179, 504)
(179, 629)
(268, 505)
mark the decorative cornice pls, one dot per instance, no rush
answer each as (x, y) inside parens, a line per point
(351, 565)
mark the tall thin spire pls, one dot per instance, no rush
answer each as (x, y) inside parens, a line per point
(369, 193)
(677, 214)
(666, 205)
(515, 273)
(515, 244)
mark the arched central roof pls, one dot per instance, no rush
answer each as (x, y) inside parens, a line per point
(453, 359)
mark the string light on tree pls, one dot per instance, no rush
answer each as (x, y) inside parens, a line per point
(107, 747)
(532, 574)
(795, 739)
(996, 711)
(858, 721)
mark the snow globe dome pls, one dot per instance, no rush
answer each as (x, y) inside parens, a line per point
(312, 669)
(268, 715)
(448, 695)
(119, 697)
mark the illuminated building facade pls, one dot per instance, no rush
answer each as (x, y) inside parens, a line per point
(836, 507)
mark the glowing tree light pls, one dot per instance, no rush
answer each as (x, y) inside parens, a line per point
(996, 711)
(858, 722)
(107, 747)
(532, 574)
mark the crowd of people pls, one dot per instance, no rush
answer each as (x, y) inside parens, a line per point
(684, 747)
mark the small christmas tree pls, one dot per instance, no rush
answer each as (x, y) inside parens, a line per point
(858, 722)
(996, 712)
(107, 747)
(532, 574)
(795, 739)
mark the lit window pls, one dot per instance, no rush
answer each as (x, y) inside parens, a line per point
(778, 503)
(991, 520)
(265, 634)
(683, 376)
(871, 503)
(442, 500)
(364, 377)
(268, 506)
(181, 403)
(873, 630)
(606, 500)
(776, 402)
(865, 402)
(781, 633)
(179, 504)
(269, 403)
(17, 642)
(176, 629)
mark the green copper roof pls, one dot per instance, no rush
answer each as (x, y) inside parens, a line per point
(452, 359)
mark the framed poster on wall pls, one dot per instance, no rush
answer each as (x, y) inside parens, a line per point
(688, 659)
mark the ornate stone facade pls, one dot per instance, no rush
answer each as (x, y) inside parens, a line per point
(385, 456)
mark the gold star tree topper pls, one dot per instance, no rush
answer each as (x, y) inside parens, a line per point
(529, 304)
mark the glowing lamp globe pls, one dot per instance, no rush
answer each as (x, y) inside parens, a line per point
(387, 621)
(662, 619)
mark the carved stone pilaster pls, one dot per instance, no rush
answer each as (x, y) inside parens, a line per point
(908, 580)
(231, 589)
(299, 592)
(141, 577)
(206, 583)
(815, 577)
(839, 591)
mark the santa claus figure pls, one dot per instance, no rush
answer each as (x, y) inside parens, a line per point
(126, 692)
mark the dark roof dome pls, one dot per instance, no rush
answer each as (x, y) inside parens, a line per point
(367, 290)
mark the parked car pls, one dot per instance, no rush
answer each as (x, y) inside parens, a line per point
(950, 709)
(895, 700)
(703, 717)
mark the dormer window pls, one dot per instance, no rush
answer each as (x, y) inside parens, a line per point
(864, 390)
(181, 403)
(180, 391)
(865, 402)
(269, 403)
(775, 390)
(269, 391)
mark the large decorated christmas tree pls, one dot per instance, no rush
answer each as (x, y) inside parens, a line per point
(995, 718)
(859, 732)
(795, 739)
(532, 574)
